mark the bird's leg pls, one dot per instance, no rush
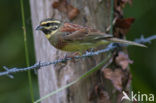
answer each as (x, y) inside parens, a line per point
(75, 54)
(91, 50)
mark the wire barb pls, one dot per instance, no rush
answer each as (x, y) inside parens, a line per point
(38, 65)
(7, 70)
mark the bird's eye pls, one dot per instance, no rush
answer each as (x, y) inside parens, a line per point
(48, 24)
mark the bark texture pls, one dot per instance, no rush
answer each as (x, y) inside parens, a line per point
(93, 13)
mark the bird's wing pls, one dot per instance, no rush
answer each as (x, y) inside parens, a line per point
(91, 35)
(85, 35)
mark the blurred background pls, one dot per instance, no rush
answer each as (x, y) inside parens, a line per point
(12, 52)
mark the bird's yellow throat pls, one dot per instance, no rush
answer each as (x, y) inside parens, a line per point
(52, 33)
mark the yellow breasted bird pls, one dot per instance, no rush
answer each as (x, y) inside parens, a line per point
(72, 37)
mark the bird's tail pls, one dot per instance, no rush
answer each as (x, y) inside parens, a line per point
(117, 40)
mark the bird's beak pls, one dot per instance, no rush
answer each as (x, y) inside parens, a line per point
(39, 27)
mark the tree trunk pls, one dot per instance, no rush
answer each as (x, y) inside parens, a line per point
(93, 13)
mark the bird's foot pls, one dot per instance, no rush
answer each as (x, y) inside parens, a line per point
(72, 56)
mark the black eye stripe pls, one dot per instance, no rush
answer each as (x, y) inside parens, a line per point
(54, 28)
(54, 23)
(51, 24)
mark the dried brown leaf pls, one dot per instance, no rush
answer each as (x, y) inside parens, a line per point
(124, 23)
(115, 76)
(123, 60)
(122, 26)
(119, 5)
(122, 3)
(64, 7)
(100, 94)
(128, 84)
(73, 13)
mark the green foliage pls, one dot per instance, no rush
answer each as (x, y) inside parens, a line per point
(12, 52)
(26, 49)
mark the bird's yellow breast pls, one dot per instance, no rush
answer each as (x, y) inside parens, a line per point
(77, 46)
(73, 47)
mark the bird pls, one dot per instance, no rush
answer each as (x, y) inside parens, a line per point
(72, 37)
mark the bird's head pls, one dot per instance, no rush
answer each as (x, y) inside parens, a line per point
(49, 26)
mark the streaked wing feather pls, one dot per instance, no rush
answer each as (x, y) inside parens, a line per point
(85, 35)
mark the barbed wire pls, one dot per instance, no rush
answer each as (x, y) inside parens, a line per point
(10, 71)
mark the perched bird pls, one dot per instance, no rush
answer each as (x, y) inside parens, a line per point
(76, 38)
